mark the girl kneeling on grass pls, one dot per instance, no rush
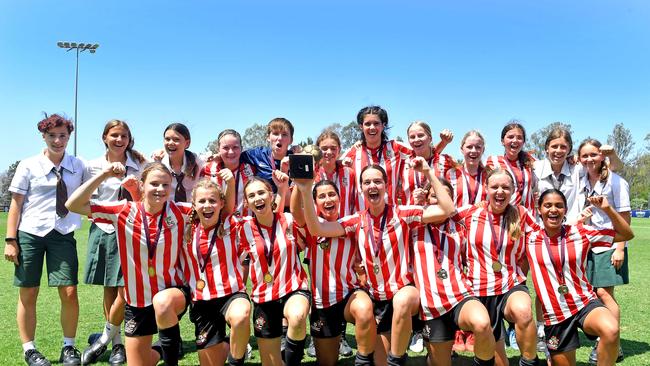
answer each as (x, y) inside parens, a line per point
(214, 273)
(557, 254)
(149, 236)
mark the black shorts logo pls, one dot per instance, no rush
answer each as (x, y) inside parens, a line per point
(129, 327)
(259, 323)
(553, 343)
(202, 338)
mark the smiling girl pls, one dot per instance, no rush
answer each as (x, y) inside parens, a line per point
(331, 169)
(468, 180)
(184, 165)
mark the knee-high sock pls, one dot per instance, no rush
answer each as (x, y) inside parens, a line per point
(294, 351)
(169, 340)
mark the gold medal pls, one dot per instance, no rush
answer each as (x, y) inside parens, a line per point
(497, 266)
(200, 285)
(324, 245)
(563, 289)
(268, 278)
(376, 268)
(442, 274)
(220, 231)
(152, 271)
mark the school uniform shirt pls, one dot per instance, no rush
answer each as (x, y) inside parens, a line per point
(126, 217)
(567, 182)
(440, 248)
(412, 179)
(261, 158)
(482, 250)
(387, 267)
(35, 180)
(242, 175)
(286, 268)
(188, 181)
(546, 263)
(343, 177)
(222, 272)
(109, 189)
(467, 189)
(617, 191)
(523, 177)
(391, 155)
(331, 268)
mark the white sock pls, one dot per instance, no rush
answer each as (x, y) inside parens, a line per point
(540, 329)
(68, 342)
(117, 338)
(28, 345)
(108, 333)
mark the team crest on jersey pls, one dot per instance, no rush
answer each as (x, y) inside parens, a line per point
(260, 322)
(169, 221)
(289, 235)
(248, 171)
(318, 325)
(389, 154)
(129, 327)
(552, 343)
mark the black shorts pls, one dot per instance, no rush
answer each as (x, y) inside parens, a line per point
(496, 306)
(563, 337)
(140, 322)
(268, 316)
(329, 322)
(209, 318)
(443, 328)
(383, 310)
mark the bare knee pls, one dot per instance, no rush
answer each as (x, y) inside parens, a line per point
(296, 317)
(609, 332)
(162, 304)
(405, 303)
(480, 325)
(28, 296)
(68, 295)
(362, 312)
(240, 317)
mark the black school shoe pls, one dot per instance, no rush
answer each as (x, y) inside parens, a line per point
(70, 356)
(118, 355)
(91, 354)
(35, 358)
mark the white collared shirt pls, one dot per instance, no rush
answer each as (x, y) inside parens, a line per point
(109, 189)
(188, 182)
(567, 182)
(35, 180)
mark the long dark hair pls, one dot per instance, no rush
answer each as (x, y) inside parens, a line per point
(191, 168)
(523, 157)
(383, 117)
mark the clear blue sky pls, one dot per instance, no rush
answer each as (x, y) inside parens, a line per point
(213, 65)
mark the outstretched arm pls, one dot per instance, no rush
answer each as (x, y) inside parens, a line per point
(445, 207)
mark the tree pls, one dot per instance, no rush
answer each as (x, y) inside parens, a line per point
(621, 140)
(348, 134)
(536, 143)
(304, 143)
(5, 181)
(647, 142)
(254, 136)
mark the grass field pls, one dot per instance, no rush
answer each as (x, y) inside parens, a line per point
(634, 300)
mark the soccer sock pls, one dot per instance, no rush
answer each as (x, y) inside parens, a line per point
(108, 332)
(28, 345)
(478, 362)
(235, 362)
(68, 342)
(361, 360)
(117, 337)
(526, 362)
(294, 351)
(169, 340)
(540, 329)
(397, 361)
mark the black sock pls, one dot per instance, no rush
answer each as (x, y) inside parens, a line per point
(294, 351)
(479, 362)
(397, 361)
(361, 360)
(235, 362)
(526, 362)
(169, 340)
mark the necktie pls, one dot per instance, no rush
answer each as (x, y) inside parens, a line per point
(61, 193)
(179, 194)
(122, 193)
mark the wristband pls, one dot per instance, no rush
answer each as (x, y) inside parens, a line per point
(8, 239)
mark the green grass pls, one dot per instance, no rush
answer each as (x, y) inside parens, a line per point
(634, 300)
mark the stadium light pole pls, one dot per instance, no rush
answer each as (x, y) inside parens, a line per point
(79, 47)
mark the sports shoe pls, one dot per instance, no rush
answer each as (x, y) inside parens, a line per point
(118, 355)
(469, 343)
(459, 343)
(344, 348)
(249, 352)
(91, 354)
(311, 348)
(283, 343)
(35, 358)
(93, 337)
(593, 356)
(70, 356)
(417, 343)
(512, 339)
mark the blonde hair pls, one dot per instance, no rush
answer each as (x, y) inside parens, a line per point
(511, 214)
(424, 125)
(467, 135)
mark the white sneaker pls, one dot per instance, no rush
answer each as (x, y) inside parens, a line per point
(417, 343)
(344, 348)
(311, 349)
(249, 352)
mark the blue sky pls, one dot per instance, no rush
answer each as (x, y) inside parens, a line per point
(216, 65)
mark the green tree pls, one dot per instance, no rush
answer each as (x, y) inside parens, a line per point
(622, 141)
(537, 140)
(5, 181)
(350, 134)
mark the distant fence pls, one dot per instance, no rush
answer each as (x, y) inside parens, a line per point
(641, 213)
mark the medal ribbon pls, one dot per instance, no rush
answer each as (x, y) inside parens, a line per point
(547, 243)
(268, 251)
(473, 192)
(213, 240)
(440, 241)
(151, 246)
(499, 242)
(375, 244)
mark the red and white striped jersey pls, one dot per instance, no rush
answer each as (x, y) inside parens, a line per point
(545, 269)
(165, 262)
(343, 177)
(331, 268)
(388, 267)
(483, 238)
(467, 189)
(242, 175)
(440, 291)
(222, 273)
(285, 269)
(392, 155)
(412, 179)
(523, 176)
